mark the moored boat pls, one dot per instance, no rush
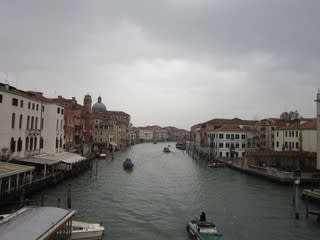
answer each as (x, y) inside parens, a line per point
(127, 164)
(181, 145)
(216, 165)
(86, 231)
(102, 155)
(166, 149)
(200, 229)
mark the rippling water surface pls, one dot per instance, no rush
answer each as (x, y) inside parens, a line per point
(164, 190)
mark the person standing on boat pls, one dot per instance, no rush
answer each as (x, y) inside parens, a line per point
(203, 217)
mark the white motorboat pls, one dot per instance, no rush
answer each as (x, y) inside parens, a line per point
(86, 231)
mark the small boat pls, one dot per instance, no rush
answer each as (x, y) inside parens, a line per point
(102, 155)
(83, 230)
(154, 142)
(200, 229)
(166, 149)
(216, 165)
(127, 164)
(181, 146)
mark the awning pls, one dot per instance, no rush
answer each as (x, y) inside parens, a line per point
(65, 157)
(38, 160)
(9, 169)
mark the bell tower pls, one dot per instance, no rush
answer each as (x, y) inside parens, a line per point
(87, 102)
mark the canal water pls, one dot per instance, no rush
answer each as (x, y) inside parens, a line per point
(164, 190)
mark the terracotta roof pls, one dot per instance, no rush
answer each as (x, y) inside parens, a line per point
(310, 124)
(232, 128)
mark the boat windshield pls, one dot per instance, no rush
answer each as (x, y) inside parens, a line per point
(208, 230)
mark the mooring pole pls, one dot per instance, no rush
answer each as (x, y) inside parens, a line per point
(69, 196)
(296, 198)
(307, 205)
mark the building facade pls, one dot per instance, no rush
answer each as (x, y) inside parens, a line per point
(232, 141)
(30, 125)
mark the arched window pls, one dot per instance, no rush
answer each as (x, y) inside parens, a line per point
(32, 120)
(28, 121)
(19, 149)
(27, 143)
(36, 127)
(12, 145)
(20, 121)
(60, 143)
(13, 119)
(57, 143)
(31, 143)
(41, 142)
(35, 143)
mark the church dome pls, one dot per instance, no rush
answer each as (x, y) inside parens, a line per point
(99, 106)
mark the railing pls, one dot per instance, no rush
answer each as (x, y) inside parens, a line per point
(32, 131)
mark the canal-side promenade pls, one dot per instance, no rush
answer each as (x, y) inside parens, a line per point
(163, 191)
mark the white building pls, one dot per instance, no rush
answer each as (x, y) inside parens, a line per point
(232, 141)
(296, 137)
(146, 134)
(27, 126)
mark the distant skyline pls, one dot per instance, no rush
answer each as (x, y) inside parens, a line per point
(168, 63)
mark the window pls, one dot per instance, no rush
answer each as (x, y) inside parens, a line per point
(19, 149)
(27, 143)
(12, 145)
(41, 142)
(227, 136)
(36, 125)
(243, 136)
(60, 143)
(13, 119)
(42, 108)
(58, 110)
(31, 143)
(14, 102)
(35, 143)
(243, 145)
(20, 121)
(237, 145)
(21, 103)
(232, 136)
(297, 134)
(286, 134)
(33, 106)
(221, 135)
(28, 121)
(29, 105)
(32, 121)
(42, 123)
(57, 124)
(277, 133)
(57, 142)
(0, 98)
(227, 145)
(237, 136)
(220, 145)
(37, 107)
(62, 111)
(297, 145)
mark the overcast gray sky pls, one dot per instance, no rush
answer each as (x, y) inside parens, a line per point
(167, 62)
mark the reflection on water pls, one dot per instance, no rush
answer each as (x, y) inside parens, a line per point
(164, 190)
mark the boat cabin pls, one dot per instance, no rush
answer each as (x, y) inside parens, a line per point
(42, 223)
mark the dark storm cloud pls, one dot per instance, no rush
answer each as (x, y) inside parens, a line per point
(265, 52)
